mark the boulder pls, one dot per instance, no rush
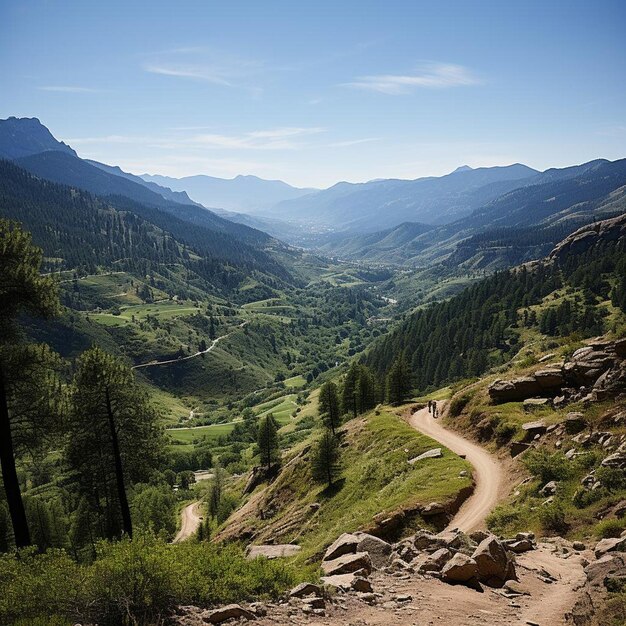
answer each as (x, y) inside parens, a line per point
(440, 557)
(549, 489)
(550, 379)
(532, 429)
(574, 423)
(616, 460)
(230, 611)
(272, 551)
(432, 509)
(435, 453)
(530, 404)
(425, 540)
(459, 569)
(453, 539)
(514, 390)
(519, 545)
(617, 544)
(347, 564)
(379, 550)
(344, 544)
(494, 564)
(305, 589)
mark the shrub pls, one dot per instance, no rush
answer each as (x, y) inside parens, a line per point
(458, 403)
(586, 497)
(547, 466)
(134, 582)
(505, 432)
(552, 518)
(610, 528)
(503, 519)
(612, 478)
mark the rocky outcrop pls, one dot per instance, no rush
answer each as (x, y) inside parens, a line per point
(347, 564)
(344, 544)
(588, 236)
(606, 574)
(604, 546)
(435, 453)
(272, 551)
(593, 372)
(460, 569)
(495, 566)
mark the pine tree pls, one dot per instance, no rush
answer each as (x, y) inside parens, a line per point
(398, 381)
(325, 458)
(329, 406)
(267, 441)
(22, 289)
(114, 437)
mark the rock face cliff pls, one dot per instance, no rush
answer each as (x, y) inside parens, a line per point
(589, 235)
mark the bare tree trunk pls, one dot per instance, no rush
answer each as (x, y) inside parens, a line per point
(9, 473)
(127, 523)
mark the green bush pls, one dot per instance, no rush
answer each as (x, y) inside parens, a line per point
(135, 582)
(458, 403)
(547, 466)
(552, 518)
(505, 432)
(503, 519)
(610, 528)
(586, 497)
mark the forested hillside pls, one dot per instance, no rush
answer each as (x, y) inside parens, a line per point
(482, 326)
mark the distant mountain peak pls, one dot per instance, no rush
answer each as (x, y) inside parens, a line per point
(463, 168)
(25, 136)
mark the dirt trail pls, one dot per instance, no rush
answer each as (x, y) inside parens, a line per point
(191, 356)
(190, 520)
(488, 474)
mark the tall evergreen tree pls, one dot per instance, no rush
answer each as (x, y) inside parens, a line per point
(267, 441)
(329, 407)
(398, 381)
(114, 437)
(325, 458)
(22, 288)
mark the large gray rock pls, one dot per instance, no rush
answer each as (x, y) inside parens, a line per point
(459, 569)
(616, 460)
(514, 390)
(345, 544)
(305, 589)
(435, 453)
(550, 379)
(604, 546)
(494, 564)
(378, 549)
(574, 423)
(230, 611)
(347, 564)
(425, 540)
(532, 429)
(272, 551)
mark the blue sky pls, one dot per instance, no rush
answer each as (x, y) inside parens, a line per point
(317, 92)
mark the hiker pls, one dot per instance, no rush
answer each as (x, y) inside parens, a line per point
(430, 404)
(435, 412)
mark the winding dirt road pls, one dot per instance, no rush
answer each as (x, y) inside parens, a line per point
(488, 474)
(191, 519)
(191, 356)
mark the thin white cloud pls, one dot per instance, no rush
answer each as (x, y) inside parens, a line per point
(429, 76)
(283, 138)
(353, 142)
(69, 89)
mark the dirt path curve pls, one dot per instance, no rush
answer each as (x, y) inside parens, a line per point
(190, 520)
(488, 474)
(191, 356)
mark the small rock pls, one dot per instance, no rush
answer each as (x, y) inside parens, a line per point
(305, 589)
(347, 564)
(230, 611)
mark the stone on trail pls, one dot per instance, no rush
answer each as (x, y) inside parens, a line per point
(494, 565)
(435, 453)
(230, 611)
(459, 569)
(347, 564)
(345, 544)
(378, 549)
(347, 582)
(305, 589)
(603, 546)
